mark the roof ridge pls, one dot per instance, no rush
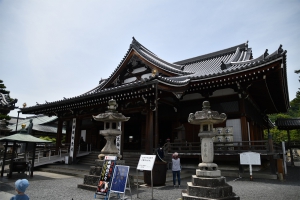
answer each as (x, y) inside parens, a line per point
(213, 54)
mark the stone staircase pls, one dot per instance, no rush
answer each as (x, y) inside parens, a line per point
(89, 159)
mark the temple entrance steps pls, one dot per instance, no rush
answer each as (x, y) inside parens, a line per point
(131, 158)
(88, 159)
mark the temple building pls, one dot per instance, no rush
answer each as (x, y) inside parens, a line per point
(158, 96)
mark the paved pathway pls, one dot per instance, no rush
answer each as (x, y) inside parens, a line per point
(49, 186)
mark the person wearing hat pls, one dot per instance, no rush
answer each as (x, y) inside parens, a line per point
(176, 168)
(21, 185)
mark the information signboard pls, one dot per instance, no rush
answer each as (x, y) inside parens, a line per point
(118, 183)
(250, 158)
(146, 162)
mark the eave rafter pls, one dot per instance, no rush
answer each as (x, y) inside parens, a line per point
(93, 101)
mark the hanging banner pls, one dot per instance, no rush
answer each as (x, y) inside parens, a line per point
(119, 179)
(72, 138)
(118, 138)
(105, 177)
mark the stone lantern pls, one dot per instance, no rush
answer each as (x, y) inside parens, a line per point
(206, 119)
(208, 182)
(111, 118)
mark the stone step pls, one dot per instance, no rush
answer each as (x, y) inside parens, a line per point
(63, 171)
(185, 196)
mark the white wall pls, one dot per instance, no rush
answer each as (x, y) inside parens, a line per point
(237, 130)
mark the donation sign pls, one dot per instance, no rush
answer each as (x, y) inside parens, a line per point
(119, 180)
(105, 177)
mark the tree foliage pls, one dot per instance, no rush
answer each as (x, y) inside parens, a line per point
(6, 92)
(293, 112)
(3, 88)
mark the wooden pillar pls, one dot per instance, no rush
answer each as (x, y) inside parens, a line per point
(68, 132)
(271, 150)
(77, 138)
(252, 130)
(156, 119)
(58, 135)
(291, 152)
(244, 126)
(12, 159)
(33, 158)
(149, 132)
(4, 158)
(122, 139)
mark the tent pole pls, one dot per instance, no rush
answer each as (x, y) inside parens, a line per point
(33, 158)
(12, 160)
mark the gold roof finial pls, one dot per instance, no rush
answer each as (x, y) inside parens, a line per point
(23, 126)
(24, 105)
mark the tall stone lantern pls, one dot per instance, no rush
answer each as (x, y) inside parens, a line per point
(208, 182)
(206, 119)
(111, 118)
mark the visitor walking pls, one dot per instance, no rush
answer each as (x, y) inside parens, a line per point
(21, 185)
(176, 168)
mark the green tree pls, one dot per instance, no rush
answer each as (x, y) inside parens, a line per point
(3, 88)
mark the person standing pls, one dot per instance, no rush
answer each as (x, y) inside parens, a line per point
(176, 168)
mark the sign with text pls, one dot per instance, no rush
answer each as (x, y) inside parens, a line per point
(110, 158)
(105, 177)
(250, 158)
(118, 183)
(146, 162)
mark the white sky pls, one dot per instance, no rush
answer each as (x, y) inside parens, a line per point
(52, 49)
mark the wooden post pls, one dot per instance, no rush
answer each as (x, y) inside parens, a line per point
(77, 139)
(122, 140)
(244, 126)
(271, 150)
(156, 118)
(291, 152)
(149, 132)
(33, 158)
(58, 135)
(4, 158)
(12, 160)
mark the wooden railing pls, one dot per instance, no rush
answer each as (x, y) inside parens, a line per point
(194, 148)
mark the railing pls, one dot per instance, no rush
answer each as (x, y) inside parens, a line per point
(194, 148)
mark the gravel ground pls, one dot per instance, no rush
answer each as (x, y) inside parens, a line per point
(49, 186)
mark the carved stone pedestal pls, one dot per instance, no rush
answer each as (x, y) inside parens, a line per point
(208, 188)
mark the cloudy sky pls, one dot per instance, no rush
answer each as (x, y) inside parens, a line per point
(52, 49)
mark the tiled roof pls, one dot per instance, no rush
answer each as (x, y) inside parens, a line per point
(227, 62)
(39, 124)
(151, 57)
(288, 124)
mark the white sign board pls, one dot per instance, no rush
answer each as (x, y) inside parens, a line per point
(250, 158)
(146, 162)
(110, 158)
